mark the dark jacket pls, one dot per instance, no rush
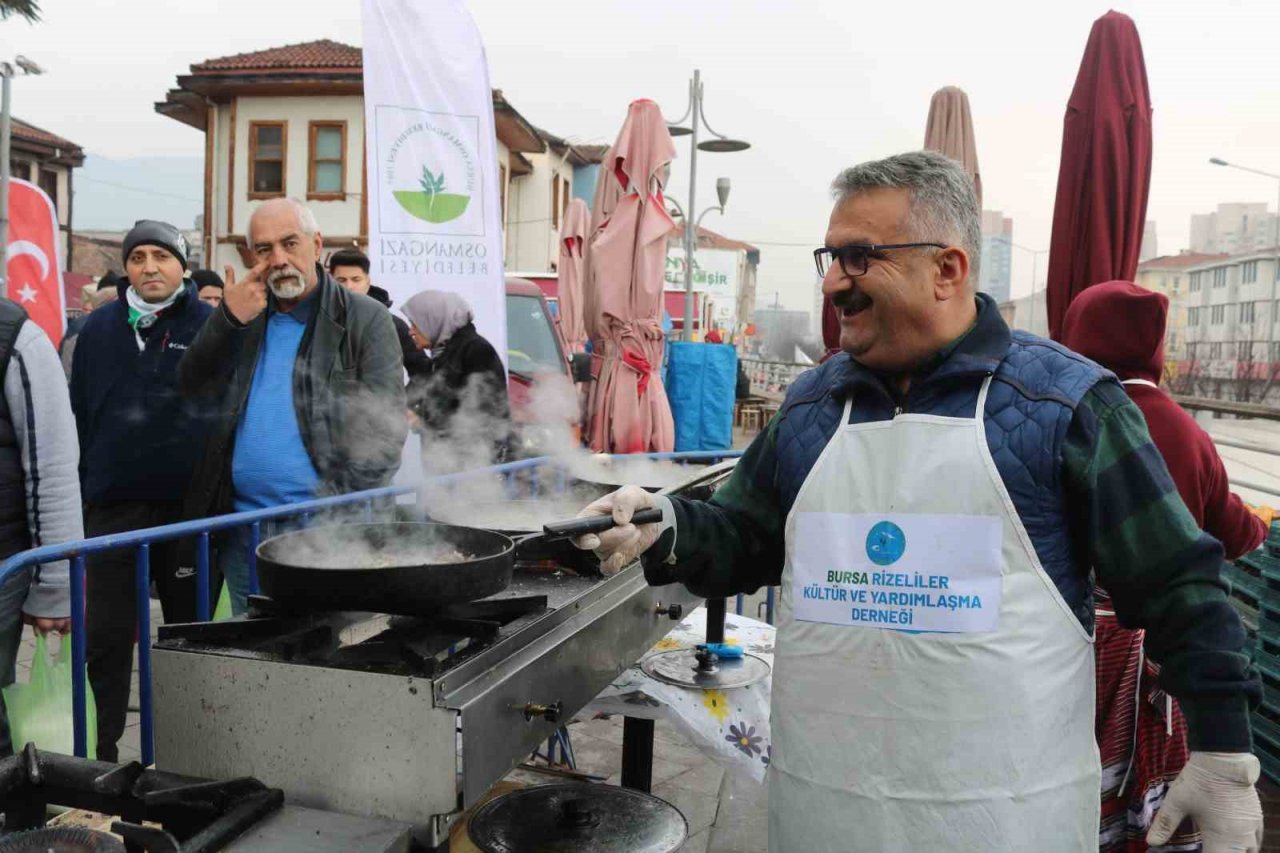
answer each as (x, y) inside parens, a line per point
(1121, 326)
(347, 392)
(466, 391)
(416, 362)
(139, 437)
(742, 385)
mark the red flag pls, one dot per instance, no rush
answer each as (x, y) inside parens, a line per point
(34, 268)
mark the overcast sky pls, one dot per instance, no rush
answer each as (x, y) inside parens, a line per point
(814, 85)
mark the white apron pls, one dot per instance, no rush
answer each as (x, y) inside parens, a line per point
(932, 691)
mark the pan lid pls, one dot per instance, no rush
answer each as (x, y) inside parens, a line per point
(61, 839)
(694, 668)
(579, 817)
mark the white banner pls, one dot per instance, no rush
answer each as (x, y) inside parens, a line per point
(715, 272)
(434, 211)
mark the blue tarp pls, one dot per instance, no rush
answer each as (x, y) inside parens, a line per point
(700, 380)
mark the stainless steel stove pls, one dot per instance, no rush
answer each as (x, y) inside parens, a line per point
(407, 719)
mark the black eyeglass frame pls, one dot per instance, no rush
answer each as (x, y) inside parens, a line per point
(842, 254)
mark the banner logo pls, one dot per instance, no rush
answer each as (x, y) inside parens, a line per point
(886, 543)
(430, 175)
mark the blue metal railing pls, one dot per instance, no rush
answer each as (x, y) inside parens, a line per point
(201, 530)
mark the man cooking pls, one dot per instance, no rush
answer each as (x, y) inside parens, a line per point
(933, 501)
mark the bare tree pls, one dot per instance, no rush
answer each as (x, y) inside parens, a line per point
(28, 9)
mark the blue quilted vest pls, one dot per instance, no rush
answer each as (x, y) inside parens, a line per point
(1036, 387)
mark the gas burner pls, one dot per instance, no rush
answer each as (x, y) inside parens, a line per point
(192, 814)
(421, 646)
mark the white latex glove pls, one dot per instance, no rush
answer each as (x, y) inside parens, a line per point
(618, 547)
(1215, 790)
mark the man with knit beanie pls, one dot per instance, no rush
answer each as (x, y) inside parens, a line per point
(139, 439)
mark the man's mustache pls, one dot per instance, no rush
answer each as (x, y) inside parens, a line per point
(844, 299)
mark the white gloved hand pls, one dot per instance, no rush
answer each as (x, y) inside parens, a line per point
(1215, 790)
(618, 547)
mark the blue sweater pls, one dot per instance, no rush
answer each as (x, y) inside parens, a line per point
(271, 465)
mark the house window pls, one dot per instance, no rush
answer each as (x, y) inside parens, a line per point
(327, 160)
(1215, 350)
(502, 191)
(1275, 351)
(1195, 282)
(560, 190)
(555, 202)
(268, 150)
(1247, 312)
(20, 169)
(1220, 277)
(1249, 272)
(1244, 351)
(1217, 314)
(1177, 284)
(1193, 316)
(49, 183)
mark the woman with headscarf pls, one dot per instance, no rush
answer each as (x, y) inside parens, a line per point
(463, 399)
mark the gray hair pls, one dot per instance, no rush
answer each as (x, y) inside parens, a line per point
(943, 207)
(306, 219)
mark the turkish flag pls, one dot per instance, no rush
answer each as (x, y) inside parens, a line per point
(34, 268)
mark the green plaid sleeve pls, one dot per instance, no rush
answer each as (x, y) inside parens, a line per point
(734, 542)
(1162, 572)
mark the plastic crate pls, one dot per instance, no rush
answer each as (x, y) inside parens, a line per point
(1272, 544)
(1249, 587)
(1269, 667)
(1266, 744)
(1268, 619)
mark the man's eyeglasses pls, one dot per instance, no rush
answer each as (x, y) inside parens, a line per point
(855, 257)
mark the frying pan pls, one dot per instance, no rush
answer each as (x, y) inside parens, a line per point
(609, 473)
(518, 519)
(380, 567)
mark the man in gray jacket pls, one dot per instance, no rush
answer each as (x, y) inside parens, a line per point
(39, 486)
(311, 383)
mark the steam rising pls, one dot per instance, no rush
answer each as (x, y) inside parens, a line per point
(363, 546)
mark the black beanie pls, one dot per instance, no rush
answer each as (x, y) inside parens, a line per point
(151, 232)
(206, 278)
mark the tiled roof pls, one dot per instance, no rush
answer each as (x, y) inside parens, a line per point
(29, 132)
(708, 239)
(592, 153)
(313, 54)
(1177, 262)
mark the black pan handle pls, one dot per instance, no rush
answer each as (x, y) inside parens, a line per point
(576, 527)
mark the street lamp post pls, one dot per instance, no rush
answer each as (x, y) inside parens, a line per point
(7, 73)
(697, 118)
(1275, 272)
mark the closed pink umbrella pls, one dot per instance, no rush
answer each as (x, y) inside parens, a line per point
(626, 256)
(573, 244)
(949, 131)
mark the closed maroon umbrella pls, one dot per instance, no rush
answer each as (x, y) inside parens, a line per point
(1105, 173)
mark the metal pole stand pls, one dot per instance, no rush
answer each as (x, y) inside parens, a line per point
(715, 620)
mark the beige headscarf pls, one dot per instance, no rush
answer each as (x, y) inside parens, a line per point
(437, 314)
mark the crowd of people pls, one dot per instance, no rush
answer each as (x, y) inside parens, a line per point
(182, 394)
(1080, 537)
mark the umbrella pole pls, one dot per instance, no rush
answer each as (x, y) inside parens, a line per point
(695, 98)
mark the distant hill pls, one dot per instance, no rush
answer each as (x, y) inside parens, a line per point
(113, 194)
